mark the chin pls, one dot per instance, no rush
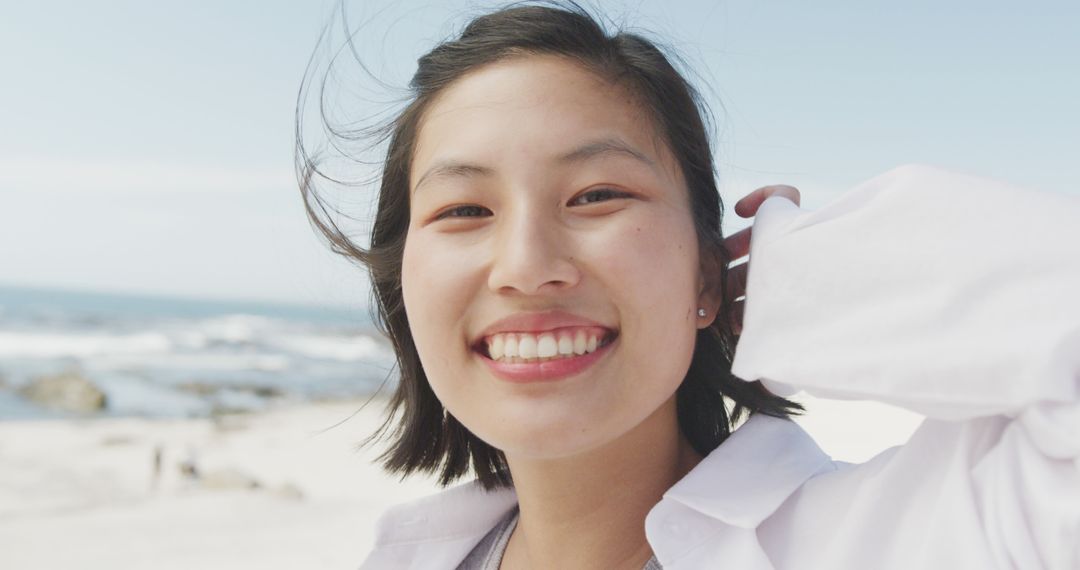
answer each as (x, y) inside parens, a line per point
(546, 442)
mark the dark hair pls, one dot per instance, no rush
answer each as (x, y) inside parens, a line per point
(427, 438)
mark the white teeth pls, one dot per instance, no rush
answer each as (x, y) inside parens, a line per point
(546, 347)
(580, 343)
(527, 346)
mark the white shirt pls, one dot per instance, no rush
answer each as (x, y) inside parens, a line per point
(954, 296)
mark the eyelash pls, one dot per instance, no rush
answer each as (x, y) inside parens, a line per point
(606, 191)
(447, 214)
(613, 192)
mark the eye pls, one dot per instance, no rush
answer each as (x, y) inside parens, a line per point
(598, 195)
(466, 211)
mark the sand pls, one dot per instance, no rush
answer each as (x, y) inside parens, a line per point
(82, 494)
(275, 490)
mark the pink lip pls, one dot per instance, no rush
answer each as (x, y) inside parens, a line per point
(551, 370)
(536, 322)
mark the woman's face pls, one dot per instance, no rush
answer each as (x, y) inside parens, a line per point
(540, 193)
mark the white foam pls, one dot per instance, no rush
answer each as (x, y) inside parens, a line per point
(53, 345)
(205, 362)
(342, 348)
(235, 327)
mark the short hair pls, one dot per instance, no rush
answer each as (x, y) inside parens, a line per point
(427, 438)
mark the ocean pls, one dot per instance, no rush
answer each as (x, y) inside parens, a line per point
(159, 356)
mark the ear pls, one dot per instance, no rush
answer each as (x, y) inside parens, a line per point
(710, 287)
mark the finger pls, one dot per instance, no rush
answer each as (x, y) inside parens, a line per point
(738, 243)
(736, 280)
(748, 205)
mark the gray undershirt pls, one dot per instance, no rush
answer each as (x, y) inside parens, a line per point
(488, 554)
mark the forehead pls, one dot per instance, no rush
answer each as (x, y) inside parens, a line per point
(531, 109)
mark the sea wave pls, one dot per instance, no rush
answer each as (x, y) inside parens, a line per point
(188, 360)
(80, 345)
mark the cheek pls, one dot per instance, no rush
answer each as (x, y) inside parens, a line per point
(429, 293)
(436, 280)
(438, 286)
(653, 263)
(652, 275)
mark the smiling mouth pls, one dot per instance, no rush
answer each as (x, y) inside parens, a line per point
(528, 348)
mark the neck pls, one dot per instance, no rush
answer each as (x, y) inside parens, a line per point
(588, 510)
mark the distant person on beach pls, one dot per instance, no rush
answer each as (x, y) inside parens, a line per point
(578, 341)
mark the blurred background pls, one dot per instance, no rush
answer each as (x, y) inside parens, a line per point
(182, 360)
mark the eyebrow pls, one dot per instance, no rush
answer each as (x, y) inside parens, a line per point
(589, 151)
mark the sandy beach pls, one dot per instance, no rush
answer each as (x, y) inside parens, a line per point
(281, 489)
(273, 490)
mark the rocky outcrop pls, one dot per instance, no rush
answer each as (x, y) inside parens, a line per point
(69, 391)
(228, 479)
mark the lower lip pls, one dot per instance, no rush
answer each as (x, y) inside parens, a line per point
(547, 371)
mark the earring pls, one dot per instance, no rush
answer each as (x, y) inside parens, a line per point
(700, 312)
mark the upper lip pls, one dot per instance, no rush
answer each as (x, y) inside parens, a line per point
(537, 322)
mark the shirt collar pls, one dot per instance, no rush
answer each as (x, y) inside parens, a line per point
(463, 511)
(752, 472)
(741, 482)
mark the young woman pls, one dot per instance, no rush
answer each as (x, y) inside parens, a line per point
(548, 263)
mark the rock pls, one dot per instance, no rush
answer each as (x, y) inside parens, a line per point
(204, 388)
(188, 469)
(198, 388)
(117, 439)
(218, 411)
(224, 423)
(265, 391)
(289, 491)
(228, 479)
(69, 391)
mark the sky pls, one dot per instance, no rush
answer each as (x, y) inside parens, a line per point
(147, 147)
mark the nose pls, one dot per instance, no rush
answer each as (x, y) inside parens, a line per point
(532, 254)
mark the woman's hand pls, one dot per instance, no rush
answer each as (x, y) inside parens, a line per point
(738, 244)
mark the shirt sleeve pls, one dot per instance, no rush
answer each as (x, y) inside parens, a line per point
(955, 296)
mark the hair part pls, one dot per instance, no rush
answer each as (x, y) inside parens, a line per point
(423, 435)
